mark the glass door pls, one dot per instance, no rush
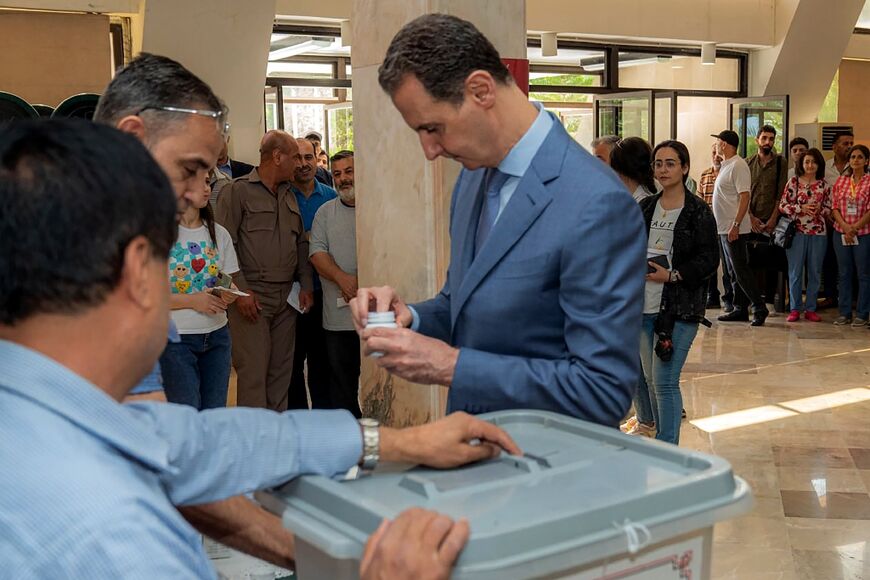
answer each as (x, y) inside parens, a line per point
(747, 115)
(651, 115)
(624, 114)
(665, 120)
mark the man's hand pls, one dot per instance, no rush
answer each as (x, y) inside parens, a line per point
(379, 299)
(733, 233)
(757, 224)
(306, 300)
(249, 306)
(450, 442)
(348, 284)
(771, 224)
(419, 544)
(411, 355)
(207, 303)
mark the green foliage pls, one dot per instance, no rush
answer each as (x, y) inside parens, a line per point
(830, 111)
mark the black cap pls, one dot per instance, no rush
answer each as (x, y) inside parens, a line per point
(729, 137)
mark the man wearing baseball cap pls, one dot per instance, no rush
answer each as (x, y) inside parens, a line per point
(731, 194)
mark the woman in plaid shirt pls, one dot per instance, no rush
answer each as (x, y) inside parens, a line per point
(807, 200)
(851, 214)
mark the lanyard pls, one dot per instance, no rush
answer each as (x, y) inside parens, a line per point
(852, 186)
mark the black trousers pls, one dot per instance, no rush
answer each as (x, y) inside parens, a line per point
(728, 288)
(343, 351)
(742, 277)
(830, 270)
(310, 345)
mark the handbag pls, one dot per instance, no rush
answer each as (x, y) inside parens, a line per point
(783, 233)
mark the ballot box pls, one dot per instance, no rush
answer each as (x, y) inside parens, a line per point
(585, 501)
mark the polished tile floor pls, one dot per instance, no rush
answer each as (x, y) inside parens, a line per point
(788, 405)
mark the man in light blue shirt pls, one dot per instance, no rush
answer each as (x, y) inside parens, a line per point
(89, 485)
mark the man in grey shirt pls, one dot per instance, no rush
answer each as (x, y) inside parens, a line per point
(332, 248)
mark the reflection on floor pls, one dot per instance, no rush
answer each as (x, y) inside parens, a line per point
(788, 405)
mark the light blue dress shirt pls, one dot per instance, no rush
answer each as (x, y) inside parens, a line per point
(515, 164)
(89, 484)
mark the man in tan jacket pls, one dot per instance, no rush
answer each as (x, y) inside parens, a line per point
(263, 218)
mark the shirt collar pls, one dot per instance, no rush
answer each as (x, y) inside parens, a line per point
(518, 159)
(31, 375)
(318, 190)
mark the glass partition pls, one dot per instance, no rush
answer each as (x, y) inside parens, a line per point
(748, 115)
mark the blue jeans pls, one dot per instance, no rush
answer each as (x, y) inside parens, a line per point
(642, 405)
(809, 250)
(663, 378)
(196, 371)
(849, 260)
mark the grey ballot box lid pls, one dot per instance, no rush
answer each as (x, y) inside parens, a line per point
(571, 499)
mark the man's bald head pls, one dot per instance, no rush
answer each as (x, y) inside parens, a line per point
(276, 140)
(279, 155)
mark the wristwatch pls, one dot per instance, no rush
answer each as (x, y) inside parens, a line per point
(371, 444)
(675, 276)
(736, 224)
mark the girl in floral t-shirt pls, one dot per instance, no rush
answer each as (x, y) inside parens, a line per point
(851, 214)
(807, 200)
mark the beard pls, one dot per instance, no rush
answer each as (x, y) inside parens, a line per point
(347, 194)
(767, 149)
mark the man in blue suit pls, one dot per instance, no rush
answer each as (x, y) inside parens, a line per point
(544, 293)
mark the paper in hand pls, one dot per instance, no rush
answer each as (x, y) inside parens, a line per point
(293, 297)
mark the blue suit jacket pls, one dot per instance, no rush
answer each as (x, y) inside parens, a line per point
(547, 316)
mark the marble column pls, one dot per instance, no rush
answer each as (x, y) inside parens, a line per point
(403, 201)
(224, 42)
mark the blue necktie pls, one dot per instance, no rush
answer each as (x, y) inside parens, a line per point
(489, 212)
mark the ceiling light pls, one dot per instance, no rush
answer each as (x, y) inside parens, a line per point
(346, 34)
(708, 53)
(548, 44)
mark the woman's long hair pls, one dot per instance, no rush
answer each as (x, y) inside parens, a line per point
(632, 158)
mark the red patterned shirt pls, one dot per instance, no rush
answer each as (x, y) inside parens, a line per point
(798, 193)
(852, 201)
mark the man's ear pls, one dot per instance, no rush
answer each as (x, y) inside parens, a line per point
(137, 274)
(480, 88)
(134, 125)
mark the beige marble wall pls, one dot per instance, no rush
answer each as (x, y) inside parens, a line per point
(403, 200)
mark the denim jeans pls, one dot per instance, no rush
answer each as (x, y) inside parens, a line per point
(849, 260)
(196, 371)
(809, 250)
(642, 405)
(663, 378)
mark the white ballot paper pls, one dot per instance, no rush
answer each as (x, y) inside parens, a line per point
(293, 297)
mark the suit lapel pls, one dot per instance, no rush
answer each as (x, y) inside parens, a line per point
(466, 218)
(529, 200)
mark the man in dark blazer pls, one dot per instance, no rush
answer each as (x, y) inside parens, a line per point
(544, 294)
(230, 167)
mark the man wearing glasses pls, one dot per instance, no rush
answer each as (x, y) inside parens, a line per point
(183, 124)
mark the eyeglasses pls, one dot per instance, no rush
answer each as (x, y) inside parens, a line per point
(219, 116)
(669, 163)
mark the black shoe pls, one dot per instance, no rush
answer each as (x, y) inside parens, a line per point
(713, 305)
(736, 315)
(727, 307)
(759, 317)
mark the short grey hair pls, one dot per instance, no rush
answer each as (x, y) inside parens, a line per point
(610, 140)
